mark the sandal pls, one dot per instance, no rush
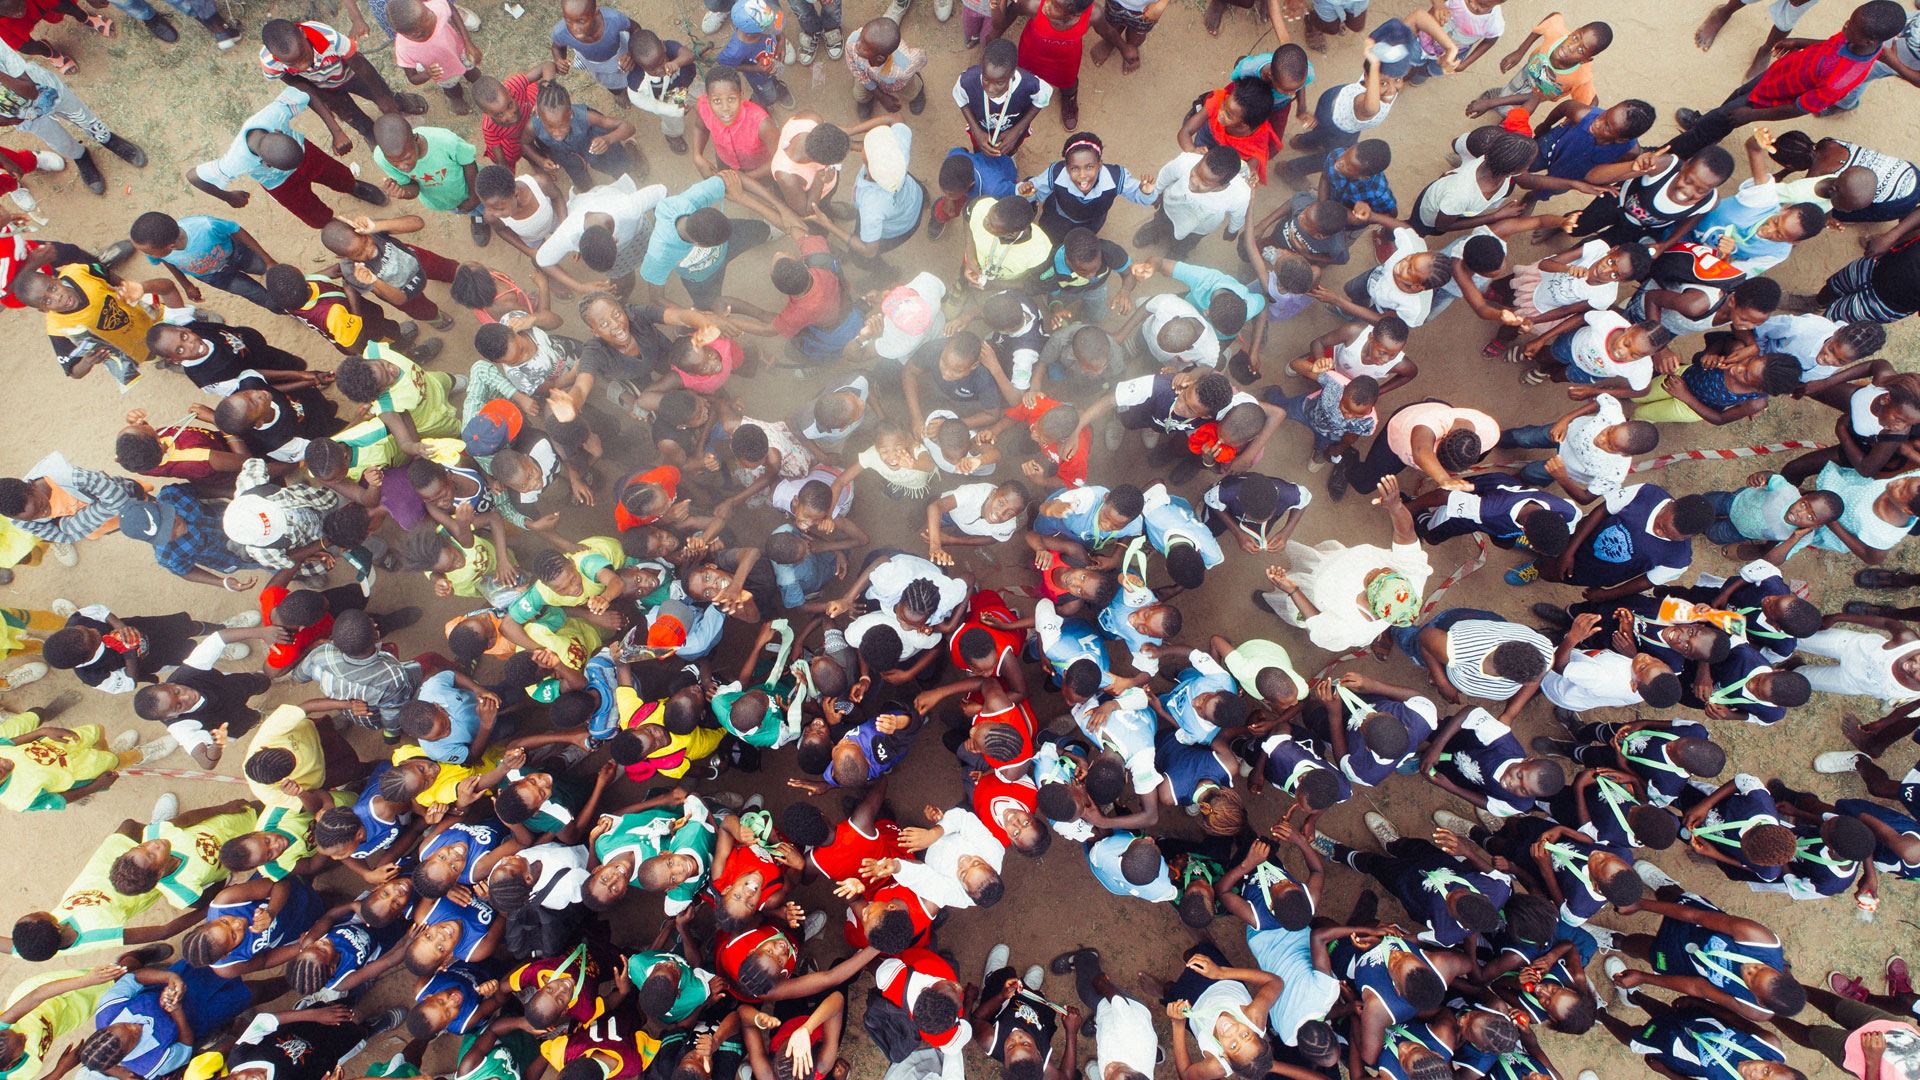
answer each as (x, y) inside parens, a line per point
(101, 25)
(62, 64)
(1534, 377)
(1514, 354)
(1496, 348)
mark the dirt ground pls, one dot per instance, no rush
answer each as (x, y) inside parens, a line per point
(183, 102)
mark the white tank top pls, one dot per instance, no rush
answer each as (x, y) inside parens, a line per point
(537, 226)
(1347, 359)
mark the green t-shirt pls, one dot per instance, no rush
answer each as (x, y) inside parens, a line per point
(568, 798)
(440, 170)
(651, 832)
(419, 393)
(695, 983)
(767, 735)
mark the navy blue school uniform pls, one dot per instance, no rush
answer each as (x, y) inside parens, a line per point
(1470, 1061)
(1730, 676)
(1413, 1031)
(1749, 805)
(1421, 882)
(467, 979)
(355, 945)
(1815, 871)
(1478, 754)
(1366, 971)
(1289, 759)
(480, 841)
(1624, 547)
(1570, 859)
(1066, 207)
(1684, 948)
(381, 833)
(1885, 859)
(475, 920)
(1222, 503)
(1148, 401)
(1363, 766)
(1645, 756)
(1694, 1044)
(1019, 349)
(302, 909)
(1774, 643)
(1188, 766)
(1608, 804)
(1490, 507)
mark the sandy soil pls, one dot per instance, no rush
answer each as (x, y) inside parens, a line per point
(182, 103)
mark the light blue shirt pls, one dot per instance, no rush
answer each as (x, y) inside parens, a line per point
(668, 251)
(1103, 858)
(1174, 519)
(1250, 67)
(886, 214)
(239, 161)
(463, 713)
(1203, 281)
(209, 250)
(804, 579)
(1202, 675)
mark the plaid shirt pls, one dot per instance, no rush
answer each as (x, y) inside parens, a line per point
(383, 681)
(205, 542)
(307, 508)
(907, 63)
(1348, 192)
(103, 495)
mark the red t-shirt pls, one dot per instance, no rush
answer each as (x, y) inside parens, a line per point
(1072, 469)
(1007, 643)
(744, 859)
(840, 858)
(285, 656)
(1814, 78)
(665, 475)
(993, 795)
(495, 134)
(820, 305)
(856, 934)
(186, 453)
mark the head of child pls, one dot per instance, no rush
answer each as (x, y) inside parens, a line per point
(1704, 172)
(1793, 224)
(583, 19)
(494, 101)
(411, 19)
(1423, 271)
(1623, 122)
(1206, 395)
(1359, 397)
(649, 54)
(287, 286)
(1583, 44)
(1628, 262)
(725, 92)
(824, 144)
(1010, 219)
(750, 446)
(252, 851)
(1248, 103)
(497, 190)
(881, 649)
(879, 39)
(1217, 167)
(1091, 349)
(1082, 155)
(394, 135)
(287, 42)
(1368, 157)
(44, 292)
(1872, 25)
(706, 227)
(340, 238)
(156, 234)
(1686, 516)
(424, 720)
(1536, 778)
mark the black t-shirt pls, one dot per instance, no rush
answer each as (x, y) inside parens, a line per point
(1288, 235)
(976, 387)
(303, 414)
(603, 361)
(1896, 277)
(233, 352)
(223, 697)
(1022, 1012)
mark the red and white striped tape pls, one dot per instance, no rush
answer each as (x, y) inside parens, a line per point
(180, 774)
(1727, 454)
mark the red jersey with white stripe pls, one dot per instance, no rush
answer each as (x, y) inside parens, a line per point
(994, 796)
(902, 979)
(840, 858)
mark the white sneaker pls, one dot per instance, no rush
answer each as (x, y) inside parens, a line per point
(1609, 939)
(754, 802)
(63, 607)
(1381, 828)
(1115, 435)
(943, 9)
(816, 922)
(1488, 818)
(159, 748)
(1589, 1074)
(239, 650)
(1150, 439)
(1453, 823)
(468, 19)
(246, 620)
(997, 958)
(65, 554)
(896, 10)
(712, 21)
(31, 671)
(1655, 877)
(48, 161)
(1837, 761)
(1033, 977)
(124, 741)
(167, 805)
(1612, 969)
(789, 55)
(23, 199)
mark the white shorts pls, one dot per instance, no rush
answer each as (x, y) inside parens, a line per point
(1785, 13)
(1339, 10)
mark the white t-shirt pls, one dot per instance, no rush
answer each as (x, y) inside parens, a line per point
(896, 342)
(1564, 290)
(1126, 1036)
(891, 576)
(1599, 471)
(1458, 193)
(969, 500)
(1200, 211)
(1413, 308)
(1592, 679)
(1589, 346)
(1165, 308)
(1342, 113)
(1350, 360)
(568, 863)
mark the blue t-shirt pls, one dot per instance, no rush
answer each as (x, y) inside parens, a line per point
(1252, 67)
(210, 248)
(803, 580)
(886, 214)
(381, 833)
(1103, 858)
(1624, 547)
(463, 714)
(668, 251)
(993, 177)
(475, 919)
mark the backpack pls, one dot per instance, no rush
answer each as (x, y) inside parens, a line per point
(535, 931)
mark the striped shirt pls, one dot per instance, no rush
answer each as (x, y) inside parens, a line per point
(1471, 641)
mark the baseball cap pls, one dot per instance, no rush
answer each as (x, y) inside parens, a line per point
(492, 428)
(886, 158)
(254, 521)
(1393, 46)
(149, 520)
(755, 16)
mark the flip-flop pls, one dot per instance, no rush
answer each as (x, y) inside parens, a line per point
(1514, 354)
(1533, 377)
(1495, 349)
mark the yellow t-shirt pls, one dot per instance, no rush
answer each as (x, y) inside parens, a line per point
(999, 259)
(419, 393)
(49, 766)
(198, 847)
(697, 745)
(597, 553)
(289, 727)
(92, 907)
(54, 1019)
(442, 790)
(106, 316)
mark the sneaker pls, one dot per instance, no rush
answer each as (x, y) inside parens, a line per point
(896, 10)
(816, 922)
(246, 620)
(1114, 436)
(159, 26)
(997, 958)
(836, 43)
(1837, 761)
(381, 1022)
(1848, 987)
(1067, 962)
(754, 802)
(712, 21)
(164, 808)
(239, 650)
(48, 161)
(943, 9)
(1686, 118)
(1453, 823)
(127, 150)
(1898, 980)
(124, 741)
(1381, 828)
(785, 100)
(677, 144)
(63, 607)
(732, 800)
(24, 199)
(1568, 719)
(1316, 464)
(369, 193)
(426, 350)
(1613, 968)
(1151, 439)
(1033, 977)
(159, 748)
(809, 44)
(1547, 746)
(1554, 616)
(1655, 877)
(1337, 481)
(468, 19)
(321, 997)
(1523, 575)
(1322, 845)
(90, 174)
(442, 321)
(789, 55)
(1489, 820)
(65, 554)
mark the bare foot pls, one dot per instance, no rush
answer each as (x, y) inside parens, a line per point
(1216, 10)
(1710, 28)
(1130, 64)
(1857, 734)
(1100, 52)
(1152, 987)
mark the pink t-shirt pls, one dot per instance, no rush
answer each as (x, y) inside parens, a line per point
(443, 47)
(1441, 417)
(1890, 1069)
(730, 357)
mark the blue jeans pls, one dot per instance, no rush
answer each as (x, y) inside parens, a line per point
(1408, 637)
(1561, 349)
(238, 279)
(1722, 530)
(140, 9)
(1531, 437)
(814, 16)
(1296, 409)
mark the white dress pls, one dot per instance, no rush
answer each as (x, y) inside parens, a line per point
(1333, 578)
